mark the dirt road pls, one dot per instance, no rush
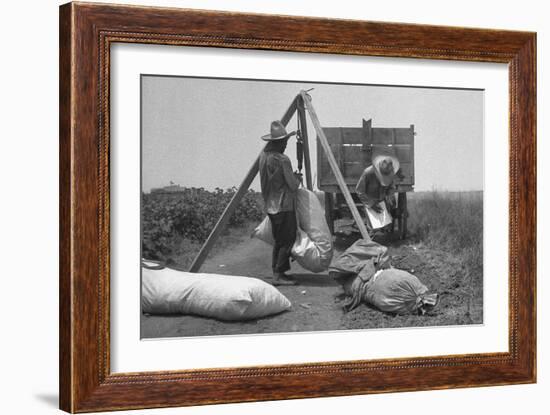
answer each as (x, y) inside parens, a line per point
(317, 301)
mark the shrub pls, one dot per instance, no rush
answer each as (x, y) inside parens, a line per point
(190, 214)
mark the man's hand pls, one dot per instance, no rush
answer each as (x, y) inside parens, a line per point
(299, 176)
(390, 202)
(377, 208)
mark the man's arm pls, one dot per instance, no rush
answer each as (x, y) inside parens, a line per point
(390, 196)
(360, 190)
(361, 186)
(290, 179)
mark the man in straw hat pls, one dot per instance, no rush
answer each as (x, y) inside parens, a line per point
(375, 187)
(279, 185)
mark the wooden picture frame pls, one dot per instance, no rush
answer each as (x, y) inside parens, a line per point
(86, 33)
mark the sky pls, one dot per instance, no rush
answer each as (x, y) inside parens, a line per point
(201, 132)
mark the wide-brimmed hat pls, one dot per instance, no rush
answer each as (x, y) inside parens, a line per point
(385, 168)
(278, 132)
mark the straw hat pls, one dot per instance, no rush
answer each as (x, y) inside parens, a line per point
(385, 168)
(278, 132)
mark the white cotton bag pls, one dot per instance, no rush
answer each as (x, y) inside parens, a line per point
(313, 247)
(224, 297)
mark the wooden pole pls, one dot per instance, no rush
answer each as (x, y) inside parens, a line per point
(235, 200)
(334, 165)
(303, 127)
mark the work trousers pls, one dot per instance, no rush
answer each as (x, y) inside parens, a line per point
(284, 227)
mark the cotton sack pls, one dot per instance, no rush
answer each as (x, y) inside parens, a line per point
(397, 291)
(313, 247)
(224, 297)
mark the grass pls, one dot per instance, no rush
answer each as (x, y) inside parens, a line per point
(453, 222)
(450, 221)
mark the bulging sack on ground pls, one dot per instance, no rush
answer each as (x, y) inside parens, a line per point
(224, 297)
(396, 291)
(313, 246)
(365, 273)
(356, 266)
(360, 259)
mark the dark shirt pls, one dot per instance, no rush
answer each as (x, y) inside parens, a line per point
(370, 190)
(278, 182)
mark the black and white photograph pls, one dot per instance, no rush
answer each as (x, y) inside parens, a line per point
(280, 206)
(275, 206)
